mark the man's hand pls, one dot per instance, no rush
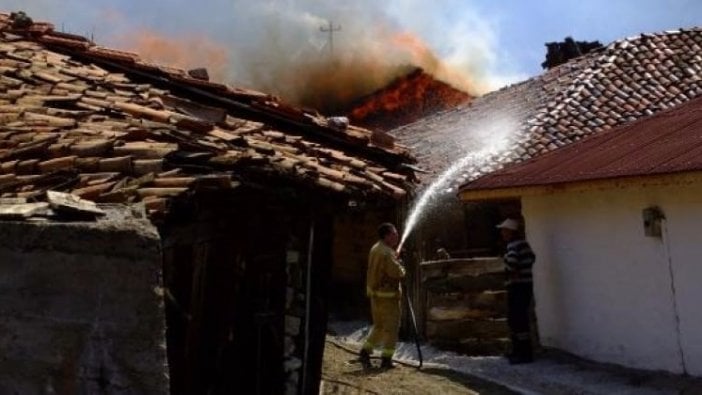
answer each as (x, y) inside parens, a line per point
(398, 258)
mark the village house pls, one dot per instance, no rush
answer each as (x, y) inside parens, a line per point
(606, 87)
(614, 222)
(161, 230)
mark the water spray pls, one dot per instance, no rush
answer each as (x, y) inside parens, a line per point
(442, 181)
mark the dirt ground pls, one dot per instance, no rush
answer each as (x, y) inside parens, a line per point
(342, 374)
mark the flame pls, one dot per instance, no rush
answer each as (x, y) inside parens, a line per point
(406, 100)
(333, 83)
(423, 57)
(185, 53)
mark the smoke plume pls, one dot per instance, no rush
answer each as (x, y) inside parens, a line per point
(278, 46)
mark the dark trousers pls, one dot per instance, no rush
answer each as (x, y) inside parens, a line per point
(519, 297)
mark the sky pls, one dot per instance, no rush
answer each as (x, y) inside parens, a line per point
(495, 41)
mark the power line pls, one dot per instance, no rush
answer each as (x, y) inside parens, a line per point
(331, 29)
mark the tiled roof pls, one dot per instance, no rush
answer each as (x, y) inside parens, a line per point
(666, 143)
(622, 82)
(109, 127)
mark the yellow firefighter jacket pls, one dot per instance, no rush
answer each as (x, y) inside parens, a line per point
(384, 272)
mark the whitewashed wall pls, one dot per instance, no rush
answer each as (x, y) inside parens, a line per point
(604, 290)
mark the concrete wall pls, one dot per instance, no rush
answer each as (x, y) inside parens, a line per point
(80, 308)
(604, 290)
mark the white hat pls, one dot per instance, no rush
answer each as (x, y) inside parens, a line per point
(510, 224)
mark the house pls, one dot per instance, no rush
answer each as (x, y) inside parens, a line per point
(606, 87)
(613, 220)
(232, 202)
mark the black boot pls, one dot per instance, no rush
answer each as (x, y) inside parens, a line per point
(364, 357)
(522, 351)
(386, 363)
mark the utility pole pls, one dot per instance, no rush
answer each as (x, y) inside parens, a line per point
(331, 29)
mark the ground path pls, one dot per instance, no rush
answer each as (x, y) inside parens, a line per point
(342, 375)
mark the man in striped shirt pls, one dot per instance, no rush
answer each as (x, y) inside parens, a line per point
(519, 258)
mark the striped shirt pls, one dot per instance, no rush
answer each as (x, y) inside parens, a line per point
(519, 259)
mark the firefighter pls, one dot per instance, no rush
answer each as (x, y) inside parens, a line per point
(518, 259)
(383, 288)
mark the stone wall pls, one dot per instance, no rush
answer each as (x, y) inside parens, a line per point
(294, 316)
(81, 309)
(465, 305)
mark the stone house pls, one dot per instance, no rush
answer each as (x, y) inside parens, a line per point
(228, 200)
(613, 220)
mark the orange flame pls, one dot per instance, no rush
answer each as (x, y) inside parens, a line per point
(406, 100)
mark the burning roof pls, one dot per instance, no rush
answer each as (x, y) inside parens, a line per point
(110, 127)
(406, 100)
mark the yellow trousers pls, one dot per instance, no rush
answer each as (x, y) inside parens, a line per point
(386, 323)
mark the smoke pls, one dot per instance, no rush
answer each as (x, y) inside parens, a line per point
(180, 52)
(277, 45)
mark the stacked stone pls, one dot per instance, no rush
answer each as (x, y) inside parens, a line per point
(466, 305)
(294, 318)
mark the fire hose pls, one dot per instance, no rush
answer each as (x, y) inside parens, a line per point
(413, 319)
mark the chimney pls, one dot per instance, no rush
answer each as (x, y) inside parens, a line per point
(558, 53)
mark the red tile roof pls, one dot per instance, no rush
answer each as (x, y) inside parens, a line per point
(109, 127)
(622, 82)
(666, 143)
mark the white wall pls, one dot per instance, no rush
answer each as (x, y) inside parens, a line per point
(603, 289)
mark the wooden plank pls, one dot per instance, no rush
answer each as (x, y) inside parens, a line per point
(51, 165)
(20, 211)
(91, 148)
(46, 76)
(170, 182)
(49, 120)
(224, 135)
(73, 204)
(160, 192)
(121, 164)
(145, 150)
(145, 166)
(14, 200)
(142, 111)
(153, 203)
(92, 192)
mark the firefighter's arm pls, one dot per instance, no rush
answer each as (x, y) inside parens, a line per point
(393, 267)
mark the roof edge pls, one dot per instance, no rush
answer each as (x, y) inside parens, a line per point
(681, 178)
